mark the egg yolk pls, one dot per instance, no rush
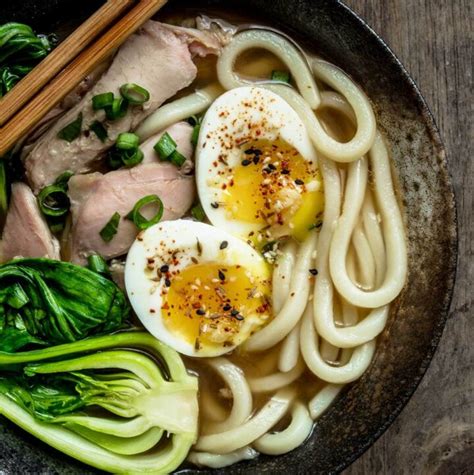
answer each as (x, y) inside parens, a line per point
(208, 305)
(275, 186)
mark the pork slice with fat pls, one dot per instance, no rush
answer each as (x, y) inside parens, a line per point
(26, 232)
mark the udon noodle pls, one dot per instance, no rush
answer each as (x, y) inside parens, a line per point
(324, 332)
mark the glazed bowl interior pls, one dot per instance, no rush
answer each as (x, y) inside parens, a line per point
(365, 408)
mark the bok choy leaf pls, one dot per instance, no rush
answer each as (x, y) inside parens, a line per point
(46, 302)
(130, 410)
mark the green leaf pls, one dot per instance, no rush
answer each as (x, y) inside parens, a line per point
(56, 302)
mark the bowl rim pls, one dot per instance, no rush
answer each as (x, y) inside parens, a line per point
(451, 275)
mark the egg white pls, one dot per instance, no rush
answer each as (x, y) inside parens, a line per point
(188, 240)
(224, 130)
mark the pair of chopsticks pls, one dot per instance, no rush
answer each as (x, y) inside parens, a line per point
(66, 66)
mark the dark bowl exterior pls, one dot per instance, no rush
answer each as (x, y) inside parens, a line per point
(367, 407)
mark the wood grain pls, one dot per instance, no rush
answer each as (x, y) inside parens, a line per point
(435, 432)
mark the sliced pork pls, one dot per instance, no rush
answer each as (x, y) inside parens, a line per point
(26, 232)
(96, 197)
(158, 58)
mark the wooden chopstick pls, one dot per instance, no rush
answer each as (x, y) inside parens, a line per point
(73, 74)
(11, 103)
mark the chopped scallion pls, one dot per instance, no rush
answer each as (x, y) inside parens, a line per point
(117, 110)
(281, 76)
(53, 201)
(134, 94)
(101, 101)
(63, 179)
(97, 263)
(177, 159)
(130, 158)
(140, 221)
(165, 146)
(197, 212)
(127, 141)
(99, 130)
(110, 229)
(72, 130)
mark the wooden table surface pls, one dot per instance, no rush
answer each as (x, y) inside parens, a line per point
(435, 431)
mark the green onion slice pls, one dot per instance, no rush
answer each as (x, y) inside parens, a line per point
(101, 101)
(99, 130)
(53, 201)
(4, 188)
(140, 221)
(97, 263)
(134, 94)
(72, 130)
(177, 159)
(117, 110)
(281, 76)
(127, 141)
(130, 158)
(195, 134)
(165, 146)
(110, 229)
(63, 179)
(197, 212)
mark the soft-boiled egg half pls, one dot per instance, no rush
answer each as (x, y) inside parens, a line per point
(256, 168)
(197, 288)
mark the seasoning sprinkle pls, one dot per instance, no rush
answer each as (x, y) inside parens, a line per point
(223, 245)
(314, 271)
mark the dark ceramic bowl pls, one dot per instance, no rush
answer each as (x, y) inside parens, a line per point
(367, 407)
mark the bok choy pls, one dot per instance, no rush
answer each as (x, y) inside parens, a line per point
(46, 302)
(20, 50)
(123, 403)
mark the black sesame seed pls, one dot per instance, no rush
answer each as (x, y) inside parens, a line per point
(168, 283)
(165, 268)
(285, 171)
(314, 271)
(234, 312)
(299, 182)
(239, 317)
(215, 205)
(201, 311)
(246, 162)
(226, 307)
(221, 275)
(255, 159)
(223, 245)
(272, 167)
